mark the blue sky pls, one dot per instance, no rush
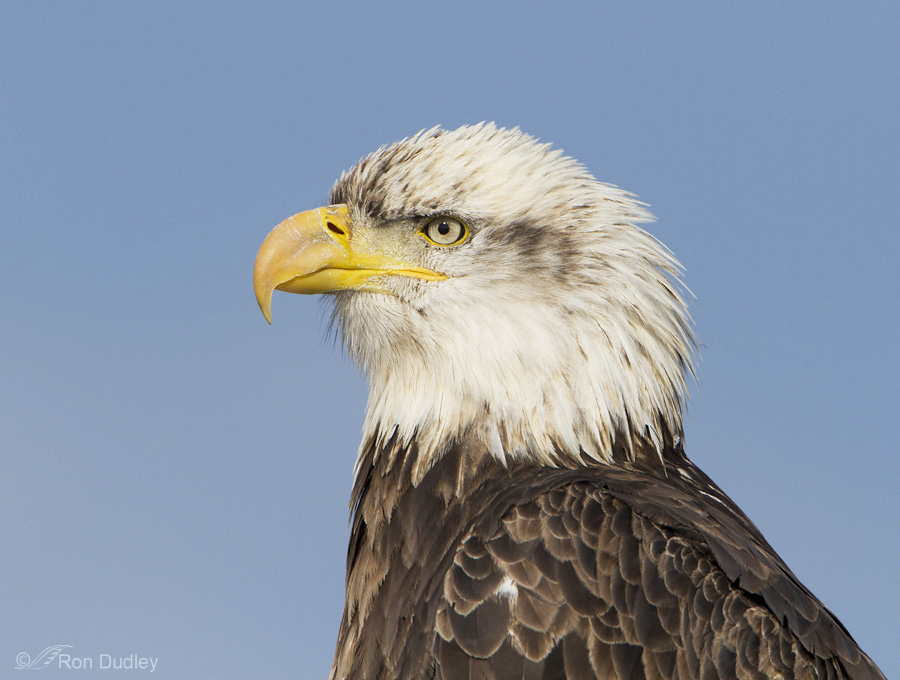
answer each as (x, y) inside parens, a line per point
(174, 473)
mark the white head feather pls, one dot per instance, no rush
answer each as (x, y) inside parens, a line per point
(561, 330)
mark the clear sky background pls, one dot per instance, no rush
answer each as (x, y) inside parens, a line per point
(174, 473)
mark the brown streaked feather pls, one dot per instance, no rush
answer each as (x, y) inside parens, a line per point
(603, 572)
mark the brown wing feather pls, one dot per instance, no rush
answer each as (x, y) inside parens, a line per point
(481, 571)
(623, 578)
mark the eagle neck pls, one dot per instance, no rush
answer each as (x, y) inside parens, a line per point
(406, 528)
(404, 533)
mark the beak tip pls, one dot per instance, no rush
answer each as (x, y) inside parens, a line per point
(264, 300)
(265, 306)
(262, 287)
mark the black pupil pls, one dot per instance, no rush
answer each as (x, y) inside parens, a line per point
(444, 228)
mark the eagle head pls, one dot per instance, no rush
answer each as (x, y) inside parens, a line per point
(490, 288)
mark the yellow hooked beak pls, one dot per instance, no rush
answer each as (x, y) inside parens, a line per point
(313, 252)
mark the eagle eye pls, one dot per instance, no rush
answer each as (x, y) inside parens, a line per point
(445, 231)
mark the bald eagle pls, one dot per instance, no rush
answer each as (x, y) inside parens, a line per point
(522, 504)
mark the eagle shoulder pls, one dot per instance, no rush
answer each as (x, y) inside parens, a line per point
(485, 571)
(622, 574)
